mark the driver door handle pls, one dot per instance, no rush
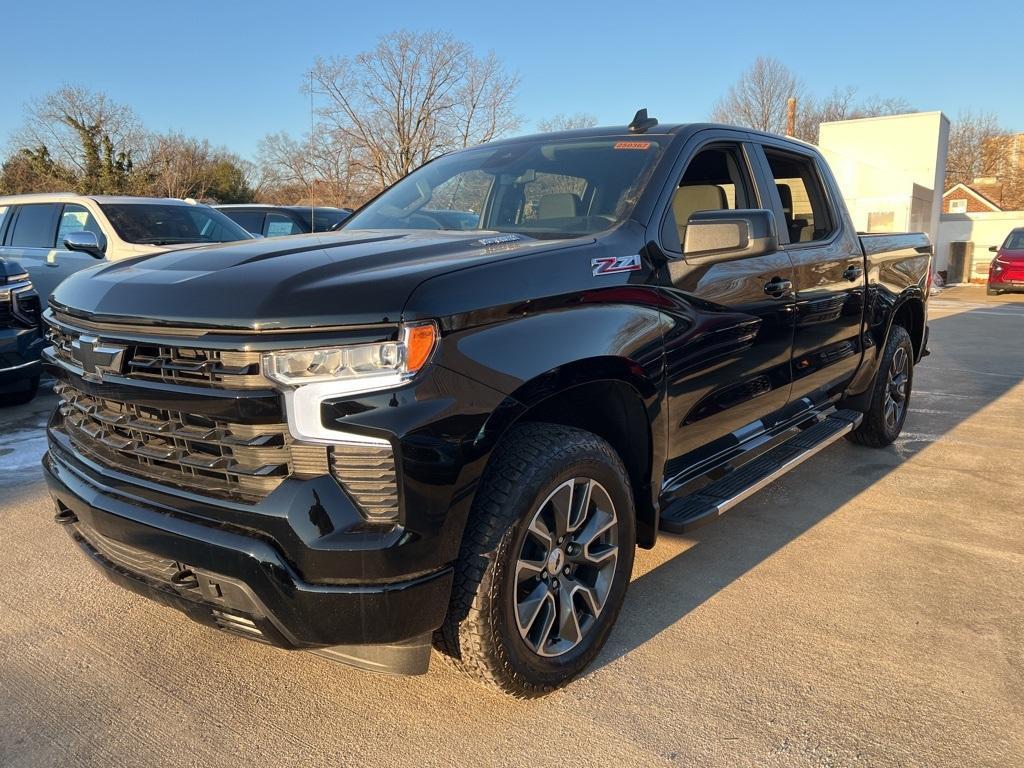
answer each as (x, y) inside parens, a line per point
(853, 272)
(778, 287)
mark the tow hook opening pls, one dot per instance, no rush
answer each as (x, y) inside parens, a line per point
(64, 515)
(185, 578)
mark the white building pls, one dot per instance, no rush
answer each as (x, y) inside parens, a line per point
(890, 170)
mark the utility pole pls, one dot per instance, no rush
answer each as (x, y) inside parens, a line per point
(312, 128)
(791, 116)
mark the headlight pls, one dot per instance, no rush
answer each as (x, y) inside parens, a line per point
(357, 367)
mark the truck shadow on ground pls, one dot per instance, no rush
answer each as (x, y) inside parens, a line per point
(733, 545)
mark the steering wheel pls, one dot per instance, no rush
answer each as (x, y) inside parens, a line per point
(435, 224)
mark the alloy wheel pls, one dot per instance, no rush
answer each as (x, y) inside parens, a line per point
(896, 388)
(566, 567)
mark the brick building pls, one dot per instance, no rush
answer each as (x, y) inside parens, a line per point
(961, 198)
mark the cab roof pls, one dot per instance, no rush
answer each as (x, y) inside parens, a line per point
(71, 197)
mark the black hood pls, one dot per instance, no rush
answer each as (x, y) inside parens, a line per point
(344, 278)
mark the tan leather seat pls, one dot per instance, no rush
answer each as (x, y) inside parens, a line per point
(691, 198)
(558, 205)
(800, 230)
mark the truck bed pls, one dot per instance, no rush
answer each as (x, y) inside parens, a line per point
(887, 242)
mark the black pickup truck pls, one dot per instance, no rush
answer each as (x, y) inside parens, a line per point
(451, 422)
(20, 338)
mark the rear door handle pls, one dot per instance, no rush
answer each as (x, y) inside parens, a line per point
(853, 272)
(778, 287)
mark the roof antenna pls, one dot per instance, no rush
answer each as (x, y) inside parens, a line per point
(641, 122)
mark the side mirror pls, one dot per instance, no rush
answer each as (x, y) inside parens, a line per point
(994, 248)
(86, 242)
(724, 235)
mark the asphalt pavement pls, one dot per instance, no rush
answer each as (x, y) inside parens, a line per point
(864, 610)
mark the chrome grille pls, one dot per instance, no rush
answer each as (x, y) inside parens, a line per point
(220, 458)
(368, 474)
(181, 365)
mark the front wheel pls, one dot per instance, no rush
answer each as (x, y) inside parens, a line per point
(545, 561)
(890, 398)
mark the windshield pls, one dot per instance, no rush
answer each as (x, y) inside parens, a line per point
(542, 188)
(324, 219)
(168, 224)
(1015, 242)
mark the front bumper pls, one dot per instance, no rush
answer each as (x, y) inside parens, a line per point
(1008, 286)
(223, 578)
(19, 357)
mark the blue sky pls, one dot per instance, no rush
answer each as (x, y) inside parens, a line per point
(231, 71)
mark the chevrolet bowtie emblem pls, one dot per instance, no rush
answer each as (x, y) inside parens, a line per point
(97, 358)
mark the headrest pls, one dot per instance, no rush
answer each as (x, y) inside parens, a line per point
(697, 197)
(559, 205)
(786, 196)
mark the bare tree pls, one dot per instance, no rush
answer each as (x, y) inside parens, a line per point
(411, 98)
(33, 170)
(181, 166)
(85, 131)
(563, 122)
(969, 135)
(323, 170)
(177, 165)
(842, 104)
(758, 99)
(485, 101)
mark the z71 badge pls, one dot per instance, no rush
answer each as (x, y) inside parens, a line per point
(609, 265)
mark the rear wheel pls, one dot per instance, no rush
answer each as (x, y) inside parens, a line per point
(883, 420)
(545, 561)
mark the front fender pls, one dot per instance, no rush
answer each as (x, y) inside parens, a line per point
(529, 356)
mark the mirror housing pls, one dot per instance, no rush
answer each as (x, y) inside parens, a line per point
(726, 235)
(994, 248)
(85, 242)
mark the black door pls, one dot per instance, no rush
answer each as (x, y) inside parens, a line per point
(731, 322)
(829, 274)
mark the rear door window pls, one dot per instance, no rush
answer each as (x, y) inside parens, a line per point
(801, 195)
(36, 226)
(250, 221)
(279, 225)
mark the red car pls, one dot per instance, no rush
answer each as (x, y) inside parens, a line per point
(1006, 273)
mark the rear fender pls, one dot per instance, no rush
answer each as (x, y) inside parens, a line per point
(883, 310)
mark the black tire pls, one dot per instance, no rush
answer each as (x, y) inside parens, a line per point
(482, 629)
(992, 291)
(22, 397)
(880, 427)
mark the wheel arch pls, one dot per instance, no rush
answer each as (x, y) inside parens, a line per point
(909, 313)
(604, 396)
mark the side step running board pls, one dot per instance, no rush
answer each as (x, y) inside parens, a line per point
(725, 493)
